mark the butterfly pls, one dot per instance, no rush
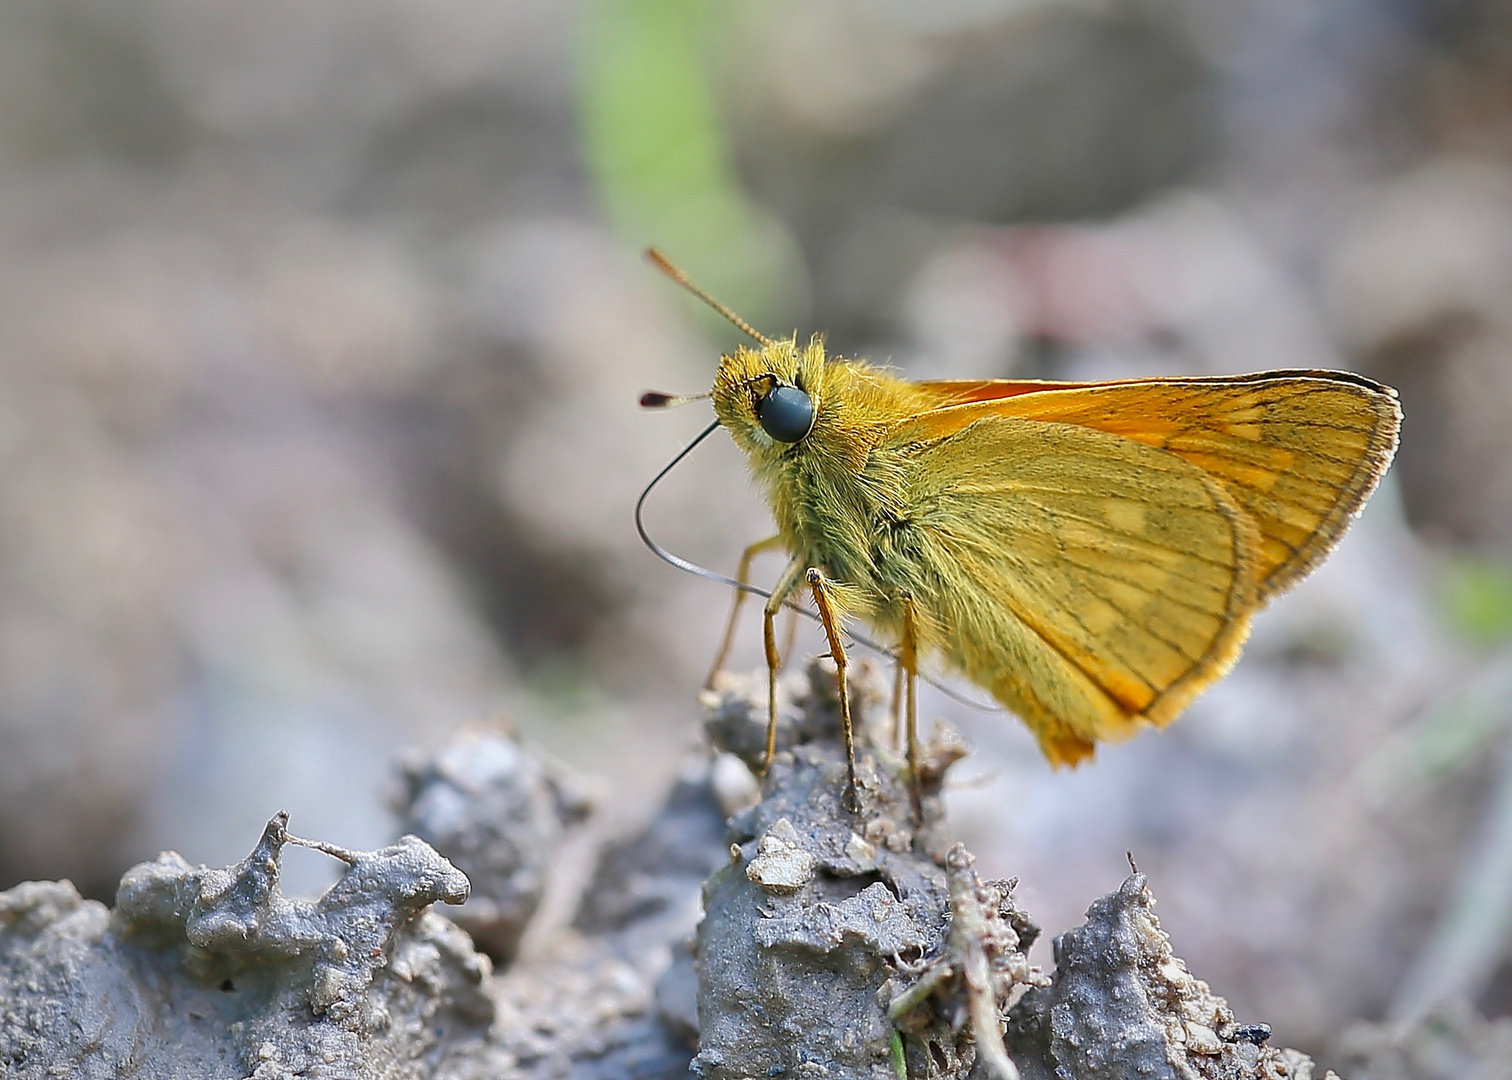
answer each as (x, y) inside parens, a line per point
(1089, 553)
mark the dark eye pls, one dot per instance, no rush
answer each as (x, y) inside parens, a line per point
(786, 413)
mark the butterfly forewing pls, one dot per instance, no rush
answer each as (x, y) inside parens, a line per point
(1298, 451)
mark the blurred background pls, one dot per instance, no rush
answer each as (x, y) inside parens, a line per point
(322, 327)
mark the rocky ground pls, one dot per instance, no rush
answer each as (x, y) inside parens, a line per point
(741, 934)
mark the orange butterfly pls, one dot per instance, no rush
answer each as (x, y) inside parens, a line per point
(1091, 554)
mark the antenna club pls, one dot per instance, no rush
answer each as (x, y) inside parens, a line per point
(655, 399)
(662, 263)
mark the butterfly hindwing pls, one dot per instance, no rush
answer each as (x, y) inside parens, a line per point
(1122, 577)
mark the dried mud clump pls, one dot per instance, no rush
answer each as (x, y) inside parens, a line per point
(205, 972)
(970, 982)
(1121, 1005)
(862, 944)
(824, 916)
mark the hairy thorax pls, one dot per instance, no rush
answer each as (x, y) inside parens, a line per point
(840, 495)
(853, 524)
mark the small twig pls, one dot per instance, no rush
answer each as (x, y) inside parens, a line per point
(915, 995)
(968, 931)
(345, 855)
(974, 783)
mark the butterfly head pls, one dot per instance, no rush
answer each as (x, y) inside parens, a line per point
(769, 399)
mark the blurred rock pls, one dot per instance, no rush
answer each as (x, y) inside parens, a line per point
(652, 878)
(1421, 282)
(1453, 1042)
(498, 813)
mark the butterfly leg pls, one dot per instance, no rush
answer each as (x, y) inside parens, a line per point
(790, 634)
(837, 653)
(774, 602)
(908, 665)
(897, 703)
(742, 575)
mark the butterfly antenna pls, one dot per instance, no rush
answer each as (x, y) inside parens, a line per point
(666, 266)
(655, 399)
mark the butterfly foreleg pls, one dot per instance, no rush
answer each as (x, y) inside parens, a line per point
(831, 624)
(742, 575)
(788, 582)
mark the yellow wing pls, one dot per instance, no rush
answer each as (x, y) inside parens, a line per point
(1299, 451)
(1092, 583)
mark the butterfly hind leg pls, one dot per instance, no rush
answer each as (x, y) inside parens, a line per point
(899, 734)
(837, 653)
(908, 668)
(742, 575)
(790, 634)
(769, 611)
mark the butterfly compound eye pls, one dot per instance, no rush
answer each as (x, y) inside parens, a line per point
(786, 413)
